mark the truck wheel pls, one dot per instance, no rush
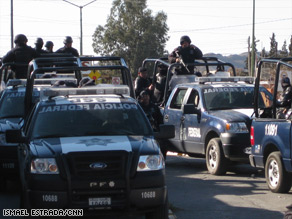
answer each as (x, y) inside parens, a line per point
(160, 212)
(215, 159)
(278, 179)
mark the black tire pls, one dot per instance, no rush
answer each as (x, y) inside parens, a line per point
(215, 159)
(160, 212)
(277, 178)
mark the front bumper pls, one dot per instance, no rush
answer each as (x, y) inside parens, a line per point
(140, 200)
(236, 145)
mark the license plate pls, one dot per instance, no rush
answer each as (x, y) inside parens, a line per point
(100, 201)
(8, 165)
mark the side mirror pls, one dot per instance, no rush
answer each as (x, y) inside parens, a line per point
(14, 136)
(190, 109)
(165, 132)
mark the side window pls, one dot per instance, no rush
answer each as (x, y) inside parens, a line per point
(178, 98)
(194, 98)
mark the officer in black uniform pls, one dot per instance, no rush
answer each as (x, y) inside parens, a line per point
(49, 46)
(39, 46)
(21, 53)
(160, 83)
(142, 82)
(185, 53)
(285, 98)
(151, 110)
(68, 47)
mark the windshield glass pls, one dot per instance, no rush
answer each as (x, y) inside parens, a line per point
(231, 97)
(90, 120)
(12, 103)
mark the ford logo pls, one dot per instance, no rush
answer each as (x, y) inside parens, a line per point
(99, 165)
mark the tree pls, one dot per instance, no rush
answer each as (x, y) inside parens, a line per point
(132, 32)
(274, 46)
(290, 46)
(284, 51)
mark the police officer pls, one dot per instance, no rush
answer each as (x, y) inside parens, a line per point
(21, 53)
(185, 53)
(39, 46)
(160, 83)
(151, 110)
(49, 46)
(68, 47)
(142, 82)
(285, 98)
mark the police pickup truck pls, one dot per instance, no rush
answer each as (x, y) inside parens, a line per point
(96, 152)
(12, 114)
(212, 119)
(271, 128)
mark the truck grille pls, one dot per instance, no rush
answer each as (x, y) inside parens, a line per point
(98, 174)
(99, 165)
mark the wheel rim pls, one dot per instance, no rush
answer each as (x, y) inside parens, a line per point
(273, 173)
(213, 157)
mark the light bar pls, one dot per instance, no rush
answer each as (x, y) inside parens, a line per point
(16, 82)
(52, 81)
(55, 75)
(43, 81)
(225, 79)
(92, 90)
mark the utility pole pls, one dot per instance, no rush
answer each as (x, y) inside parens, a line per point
(248, 57)
(253, 42)
(11, 23)
(81, 32)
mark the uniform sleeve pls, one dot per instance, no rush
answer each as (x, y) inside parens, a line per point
(9, 57)
(172, 56)
(138, 86)
(198, 53)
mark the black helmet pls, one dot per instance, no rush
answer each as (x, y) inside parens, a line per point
(68, 39)
(39, 41)
(185, 38)
(20, 39)
(49, 44)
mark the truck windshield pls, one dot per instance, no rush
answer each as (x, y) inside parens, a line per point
(217, 98)
(12, 103)
(90, 120)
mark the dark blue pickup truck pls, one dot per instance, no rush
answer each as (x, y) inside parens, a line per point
(271, 129)
(211, 114)
(212, 120)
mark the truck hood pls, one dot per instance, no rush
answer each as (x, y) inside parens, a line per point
(236, 115)
(54, 146)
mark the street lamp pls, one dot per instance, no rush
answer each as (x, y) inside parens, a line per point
(81, 33)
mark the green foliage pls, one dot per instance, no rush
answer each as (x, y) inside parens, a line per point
(132, 32)
(274, 46)
(290, 47)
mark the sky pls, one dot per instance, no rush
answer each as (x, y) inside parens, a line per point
(215, 26)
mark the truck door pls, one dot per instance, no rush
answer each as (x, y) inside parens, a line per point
(192, 126)
(173, 116)
(276, 131)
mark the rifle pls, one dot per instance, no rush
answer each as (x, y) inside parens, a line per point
(181, 61)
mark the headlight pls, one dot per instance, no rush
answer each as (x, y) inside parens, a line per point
(150, 163)
(239, 127)
(44, 166)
